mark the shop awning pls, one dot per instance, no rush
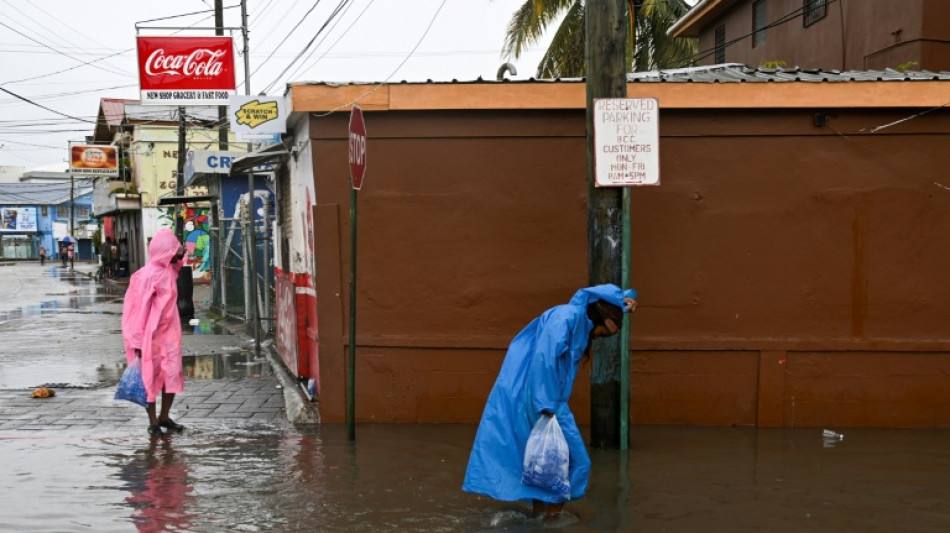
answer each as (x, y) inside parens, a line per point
(251, 162)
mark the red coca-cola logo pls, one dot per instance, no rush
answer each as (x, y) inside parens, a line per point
(186, 63)
(201, 62)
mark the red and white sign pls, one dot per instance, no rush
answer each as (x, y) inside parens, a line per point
(186, 70)
(357, 147)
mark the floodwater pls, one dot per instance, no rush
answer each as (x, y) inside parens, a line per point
(408, 478)
(250, 476)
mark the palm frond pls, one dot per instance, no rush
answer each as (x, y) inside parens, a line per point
(529, 23)
(564, 57)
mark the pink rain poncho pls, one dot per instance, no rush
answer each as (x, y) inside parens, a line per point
(150, 321)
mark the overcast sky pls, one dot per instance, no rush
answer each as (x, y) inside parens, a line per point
(45, 43)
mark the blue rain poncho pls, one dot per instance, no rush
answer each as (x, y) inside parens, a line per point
(537, 375)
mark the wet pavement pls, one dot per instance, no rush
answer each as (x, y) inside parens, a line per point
(81, 461)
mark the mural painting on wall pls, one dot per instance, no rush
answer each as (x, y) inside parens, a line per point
(196, 223)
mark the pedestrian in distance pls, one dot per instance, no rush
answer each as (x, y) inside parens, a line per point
(535, 380)
(107, 257)
(42, 254)
(71, 254)
(62, 254)
(151, 328)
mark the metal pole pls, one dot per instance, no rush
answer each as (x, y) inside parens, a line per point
(625, 329)
(266, 291)
(222, 110)
(251, 199)
(72, 204)
(351, 364)
(606, 38)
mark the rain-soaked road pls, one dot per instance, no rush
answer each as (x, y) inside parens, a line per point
(242, 467)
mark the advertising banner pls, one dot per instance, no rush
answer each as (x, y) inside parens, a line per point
(257, 117)
(93, 159)
(186, 70)
(17, 219)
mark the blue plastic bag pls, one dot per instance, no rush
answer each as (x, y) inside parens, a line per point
(131, 386)
(547, 458)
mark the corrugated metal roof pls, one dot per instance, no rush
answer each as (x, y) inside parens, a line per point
(738, 73)
(39, 193)
(113, 109)
(722, 73)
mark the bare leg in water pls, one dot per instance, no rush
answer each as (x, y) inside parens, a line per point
(548, 510)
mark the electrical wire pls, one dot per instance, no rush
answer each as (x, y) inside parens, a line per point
(303, 64)
(5, 25)
(332, 15)
(393, 73)
(291, 32)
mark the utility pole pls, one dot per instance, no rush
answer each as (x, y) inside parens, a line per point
(605, 50)
(222, 111)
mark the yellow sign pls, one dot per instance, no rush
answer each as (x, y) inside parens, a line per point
(255, 113)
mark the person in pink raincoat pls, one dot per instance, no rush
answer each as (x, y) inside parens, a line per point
(151, 327)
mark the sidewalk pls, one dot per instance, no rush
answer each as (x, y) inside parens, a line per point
(224, 383)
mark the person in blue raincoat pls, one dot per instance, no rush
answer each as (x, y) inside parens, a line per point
(535, 380)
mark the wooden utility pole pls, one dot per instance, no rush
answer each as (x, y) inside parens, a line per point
(605, 51)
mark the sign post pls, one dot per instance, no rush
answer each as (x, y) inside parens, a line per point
(357, 157)
(626, 154)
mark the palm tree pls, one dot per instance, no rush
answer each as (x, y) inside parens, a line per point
(564, 57)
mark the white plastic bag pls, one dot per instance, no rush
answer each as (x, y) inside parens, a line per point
(546, 458)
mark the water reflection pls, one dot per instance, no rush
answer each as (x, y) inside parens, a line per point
(239, 364)
(161, 493)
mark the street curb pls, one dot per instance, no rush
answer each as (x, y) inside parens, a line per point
(300, 411)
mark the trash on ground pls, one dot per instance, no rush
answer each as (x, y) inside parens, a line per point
(44, 392)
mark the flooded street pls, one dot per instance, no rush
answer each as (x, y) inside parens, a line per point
(82, 461)
(408, 478)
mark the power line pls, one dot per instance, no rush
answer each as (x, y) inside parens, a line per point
(59, 51)
(41, 106)
(332, 45)
(274, 51)
(332, 15)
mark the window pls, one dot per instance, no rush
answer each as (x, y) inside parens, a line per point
(62, 211)
(721, 44)
(759, 21)
(82, 211)
(813, 11)
(44, 210)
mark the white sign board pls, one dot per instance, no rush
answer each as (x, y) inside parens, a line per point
(258, 117)
(626, 142)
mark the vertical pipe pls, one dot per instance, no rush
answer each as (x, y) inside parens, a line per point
(625, 329)
(351, 365)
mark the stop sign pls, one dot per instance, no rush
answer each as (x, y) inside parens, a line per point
(357, 147)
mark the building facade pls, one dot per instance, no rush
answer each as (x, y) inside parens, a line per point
(788, 264)
(821, 34)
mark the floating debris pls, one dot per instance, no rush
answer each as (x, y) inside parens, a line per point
(44, 392)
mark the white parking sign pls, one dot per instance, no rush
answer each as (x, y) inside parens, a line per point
(626, 142)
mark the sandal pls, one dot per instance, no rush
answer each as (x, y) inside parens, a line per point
(155, 431)
(171, 425)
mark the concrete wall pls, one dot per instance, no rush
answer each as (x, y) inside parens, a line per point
(789, 274)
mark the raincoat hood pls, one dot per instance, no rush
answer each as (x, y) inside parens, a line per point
(163, 247)
(609, 293)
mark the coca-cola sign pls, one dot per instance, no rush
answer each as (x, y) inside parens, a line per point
(186, 70)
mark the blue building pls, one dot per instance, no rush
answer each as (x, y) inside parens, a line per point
(35, 214)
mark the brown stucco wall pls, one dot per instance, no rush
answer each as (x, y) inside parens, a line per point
(788, 274)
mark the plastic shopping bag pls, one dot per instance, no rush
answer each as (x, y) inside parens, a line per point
(131, 386)
(546, 458)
